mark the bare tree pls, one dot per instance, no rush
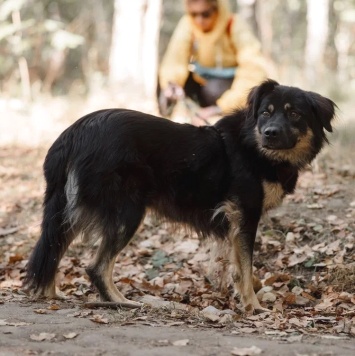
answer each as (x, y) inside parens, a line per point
(317, 34)
(134, 50)
(22, 62)
(263, 14)
(246, 9)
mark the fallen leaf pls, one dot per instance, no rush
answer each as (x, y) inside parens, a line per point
(9, 323)
(247, 330)
(183, 287)
(295, 260)
(141, 318)
(15, 258)
(298, 322)
(333, 337)
(333, 247)
(301, 300)
(211, 310)
(4, 232)
(269, 297)
(96, 318)
(42, 337)
(182, 342)
(290, 299)
(40, 311)
(189, 246)
(225, 319)
(70, 335)
(53, 307)
(308, 296)
(211, 316)
(324, 305)
(246, 351)
(315, 206)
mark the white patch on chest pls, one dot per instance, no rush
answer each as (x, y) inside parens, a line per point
(273, 195)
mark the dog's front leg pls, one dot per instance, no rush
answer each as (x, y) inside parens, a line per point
(242, 240)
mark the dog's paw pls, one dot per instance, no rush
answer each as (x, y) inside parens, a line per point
(138, 304)
(122, 300)
(261, 310)
(255, 309)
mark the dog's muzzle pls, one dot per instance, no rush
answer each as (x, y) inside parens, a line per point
(275, 137)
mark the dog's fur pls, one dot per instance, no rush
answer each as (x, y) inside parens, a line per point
(110, 166)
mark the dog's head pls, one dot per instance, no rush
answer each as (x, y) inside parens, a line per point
(289, 123)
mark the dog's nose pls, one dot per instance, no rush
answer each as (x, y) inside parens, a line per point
(272, 132)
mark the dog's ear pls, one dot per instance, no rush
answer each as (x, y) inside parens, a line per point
(257, 93)
(323, 108)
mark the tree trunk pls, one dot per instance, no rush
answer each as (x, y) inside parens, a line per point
(246, 9)
(317, 34)
(22, 62)
(150, 49)
(134, 49)
(263, 14)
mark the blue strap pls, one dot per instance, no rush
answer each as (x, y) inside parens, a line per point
(213, 72)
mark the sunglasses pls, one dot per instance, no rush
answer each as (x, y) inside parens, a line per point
(204, 14)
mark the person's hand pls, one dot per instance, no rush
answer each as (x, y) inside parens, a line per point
(174, 92)
(169, 97)
(203, 114)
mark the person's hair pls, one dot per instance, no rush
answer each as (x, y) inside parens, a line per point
(213, 3)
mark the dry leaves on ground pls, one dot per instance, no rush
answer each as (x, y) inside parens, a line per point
(304, 258)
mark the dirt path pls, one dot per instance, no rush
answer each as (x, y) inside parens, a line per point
(123, 339)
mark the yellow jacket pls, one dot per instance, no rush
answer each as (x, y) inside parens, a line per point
(234, 47)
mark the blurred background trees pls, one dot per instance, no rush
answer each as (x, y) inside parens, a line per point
(66, 46)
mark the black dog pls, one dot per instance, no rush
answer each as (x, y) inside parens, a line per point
(109, 167)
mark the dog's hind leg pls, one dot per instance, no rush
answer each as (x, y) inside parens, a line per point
(117, 229)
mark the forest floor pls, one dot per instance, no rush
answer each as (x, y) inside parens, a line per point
(304, 258)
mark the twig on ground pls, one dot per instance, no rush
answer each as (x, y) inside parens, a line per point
(111, 305)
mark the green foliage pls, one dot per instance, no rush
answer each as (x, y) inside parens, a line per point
(54, 38)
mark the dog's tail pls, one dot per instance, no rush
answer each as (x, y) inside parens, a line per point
(56, 234)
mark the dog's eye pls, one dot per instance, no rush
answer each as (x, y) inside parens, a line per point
(294, 115)
(266, 114)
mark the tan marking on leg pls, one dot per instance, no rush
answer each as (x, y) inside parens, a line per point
(241, 260)
(273, 195)
(240, 264)
(219, 264)
(49, 292)
(243, 277)
(230, 210)
(220, 267)
(106, 271)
